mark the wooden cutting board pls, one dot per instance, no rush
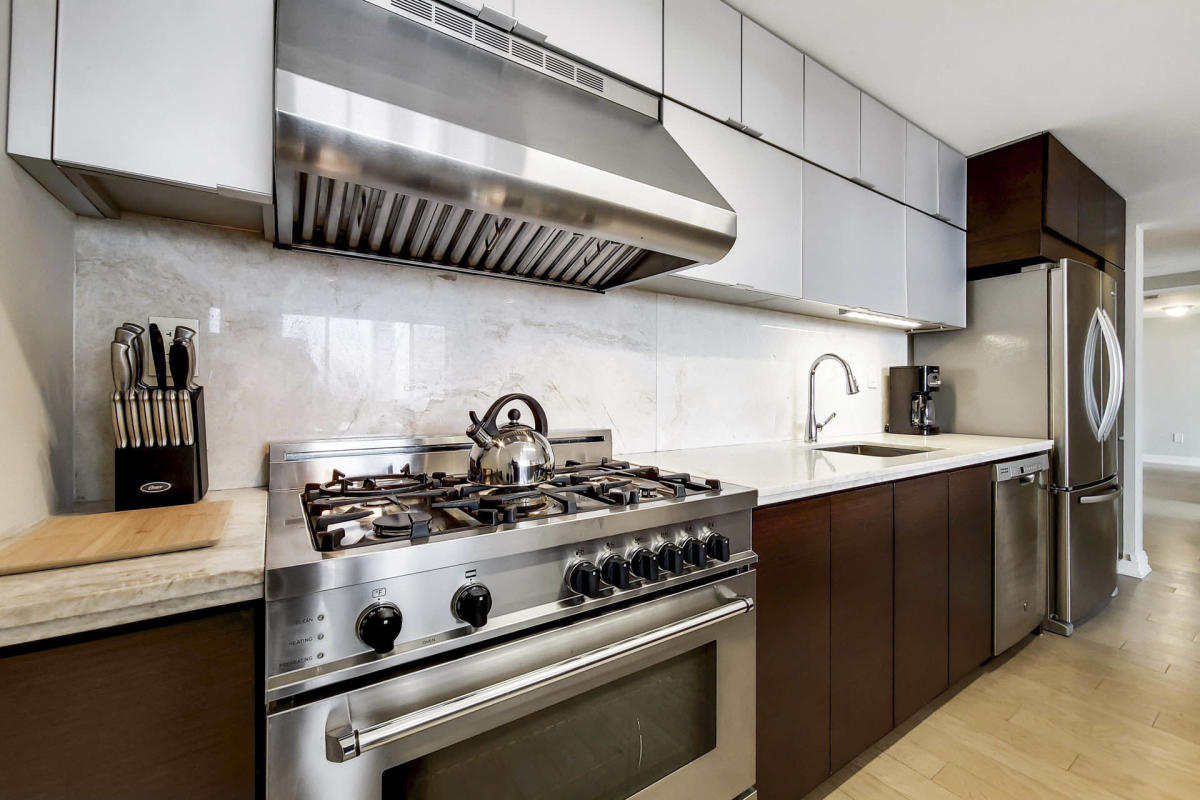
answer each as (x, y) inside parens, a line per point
(70, 540)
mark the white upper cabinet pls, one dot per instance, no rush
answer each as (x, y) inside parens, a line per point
(772, 87)
(952, 186)
(853, 245)
(764, 185)
(175, 92)
(881, 153)
(831, 120)
(921, 170)
(624, 37)
(702, 56)
(936, 270)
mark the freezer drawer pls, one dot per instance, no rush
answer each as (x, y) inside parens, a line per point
(1087, 527)
(1020, 549)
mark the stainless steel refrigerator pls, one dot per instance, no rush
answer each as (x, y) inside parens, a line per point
(1041, 357)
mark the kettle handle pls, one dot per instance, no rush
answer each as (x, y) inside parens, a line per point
(488, 424)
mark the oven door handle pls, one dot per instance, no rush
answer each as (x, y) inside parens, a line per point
(356, 742)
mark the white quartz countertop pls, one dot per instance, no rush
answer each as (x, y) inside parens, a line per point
(791, 470)
(55, 602)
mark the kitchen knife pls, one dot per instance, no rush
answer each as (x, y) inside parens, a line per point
(189, 348)
(184, 332)
(177, 359)
(159, 399)
(118, 417)
(186, 425)
(146, 416)
(172, 408)
(122, 366)
(139, 355)
(144, 401)
(159, 354)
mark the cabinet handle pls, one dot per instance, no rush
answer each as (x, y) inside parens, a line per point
(757, 134)
(863, 182)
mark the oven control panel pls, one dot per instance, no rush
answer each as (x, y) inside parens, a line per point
(414, 615)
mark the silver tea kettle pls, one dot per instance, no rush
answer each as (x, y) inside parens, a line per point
(513, 454)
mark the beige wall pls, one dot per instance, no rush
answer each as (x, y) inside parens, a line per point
(37, 278)
(1172, 391)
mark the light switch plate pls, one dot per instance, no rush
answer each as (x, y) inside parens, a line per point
(1177, 438)
(167, 326)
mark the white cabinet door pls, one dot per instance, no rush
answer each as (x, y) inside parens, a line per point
(772, 87)
(881, 155)
(176, 92)
(702, 56)
(831, 120)
(853, 245)
(623, 37)
(936, 270)
(952, 185)
(764, 186)
(921, 170)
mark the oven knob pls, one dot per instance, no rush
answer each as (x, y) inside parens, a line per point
(644, 565)
(717, 546)
(584, 579)
(615, 570)
(694, 552)
(670, 558)
(379, 626)
(472, 604)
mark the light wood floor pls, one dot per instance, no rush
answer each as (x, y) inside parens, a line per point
(1112, 712)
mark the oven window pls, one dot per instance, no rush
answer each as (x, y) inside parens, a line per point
(606, 744)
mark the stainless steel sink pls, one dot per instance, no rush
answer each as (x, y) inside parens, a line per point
(877, 450)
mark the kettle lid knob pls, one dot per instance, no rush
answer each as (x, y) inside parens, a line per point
(513, 415)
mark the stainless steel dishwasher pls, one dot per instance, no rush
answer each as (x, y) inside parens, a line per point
(1020, 549)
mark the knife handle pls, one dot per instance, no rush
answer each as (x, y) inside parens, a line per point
(188, 430)
(160, 417)
(118, 417)
(173, 417)
(159, 355)
(132, 425)
(146, 412)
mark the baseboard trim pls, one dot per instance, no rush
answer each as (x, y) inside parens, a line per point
(1186, 462)
(1135, 566)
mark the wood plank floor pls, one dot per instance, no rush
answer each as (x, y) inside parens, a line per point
(1112, 712)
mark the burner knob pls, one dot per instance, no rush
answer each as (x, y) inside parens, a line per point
(717, 546)
(670, 558)
(379, 626)
(616, 572)
(644, 565)
(584, 579)
(694, 552)
(472, 604)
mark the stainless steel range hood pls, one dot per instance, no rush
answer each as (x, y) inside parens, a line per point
(412, 133)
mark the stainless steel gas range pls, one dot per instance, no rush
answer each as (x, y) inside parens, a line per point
(588, 636)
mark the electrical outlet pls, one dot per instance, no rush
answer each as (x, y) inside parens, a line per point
(1177, 438)
(167, 326)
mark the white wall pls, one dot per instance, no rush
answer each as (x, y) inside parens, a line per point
(300, 345)
(36, 284)
(1171, 353)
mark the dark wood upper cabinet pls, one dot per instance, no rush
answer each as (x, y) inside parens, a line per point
(921, 592)
(860, 570)
(792, 542)
(1033, 201)
(970, 569)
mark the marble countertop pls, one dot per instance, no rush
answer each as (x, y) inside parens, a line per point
(40, 605)
(791, 470)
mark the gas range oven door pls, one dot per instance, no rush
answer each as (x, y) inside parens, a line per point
(651, 701)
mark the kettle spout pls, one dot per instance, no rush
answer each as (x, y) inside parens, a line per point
(478, 431)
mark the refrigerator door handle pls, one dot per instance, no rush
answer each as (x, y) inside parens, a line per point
(1104, 497)
(1090, 402)
(1112, 344)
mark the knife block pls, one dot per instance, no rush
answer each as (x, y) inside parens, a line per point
(170, 475)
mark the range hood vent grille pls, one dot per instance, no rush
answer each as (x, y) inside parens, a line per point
(351, 219)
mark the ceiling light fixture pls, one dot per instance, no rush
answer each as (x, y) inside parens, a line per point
(1176, 311)
(881, 319)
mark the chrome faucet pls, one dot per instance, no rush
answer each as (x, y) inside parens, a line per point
(813, 427)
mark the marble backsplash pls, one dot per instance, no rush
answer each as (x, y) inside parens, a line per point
(298, 345)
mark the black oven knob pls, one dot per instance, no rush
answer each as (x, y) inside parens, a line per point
(616, 572)
(379, 626)
(472, 604)
(717, 546)
(584, 579)
(694, 552)
(670, 558)
(644, 565)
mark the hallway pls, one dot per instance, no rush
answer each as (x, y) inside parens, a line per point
(1112, 712)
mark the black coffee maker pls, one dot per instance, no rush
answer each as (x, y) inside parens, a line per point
(910, 400)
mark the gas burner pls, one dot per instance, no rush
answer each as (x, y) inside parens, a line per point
(522, 499)
(410, 522)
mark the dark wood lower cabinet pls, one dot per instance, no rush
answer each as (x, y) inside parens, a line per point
(860, 569)
(164, 710)
(921, 592)
(792, 542)
(970, 569)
